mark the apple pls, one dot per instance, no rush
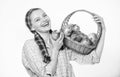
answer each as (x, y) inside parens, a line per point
(68, 30)
(93, 37)
(85, 41)
(55, 35)
(76, 28)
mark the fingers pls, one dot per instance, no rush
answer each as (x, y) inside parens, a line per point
(55, 30)
(60, 39)
(52, 39)
(97, 18)
(61, 36)
(51, 36)
(61, 44)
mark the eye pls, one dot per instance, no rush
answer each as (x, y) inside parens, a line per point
(37, 19)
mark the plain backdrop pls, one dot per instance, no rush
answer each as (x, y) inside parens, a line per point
(14, 33)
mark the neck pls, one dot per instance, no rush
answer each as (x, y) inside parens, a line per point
(45, 36)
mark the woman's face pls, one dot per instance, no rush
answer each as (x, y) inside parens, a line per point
(40, 21)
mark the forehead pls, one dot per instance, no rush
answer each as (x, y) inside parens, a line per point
(36, 13)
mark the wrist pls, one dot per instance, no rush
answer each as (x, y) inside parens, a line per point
(54, 54)
(54, 49)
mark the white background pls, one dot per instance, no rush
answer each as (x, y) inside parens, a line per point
(14, 33)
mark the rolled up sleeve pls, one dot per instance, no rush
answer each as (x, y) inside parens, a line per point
(32, 60)
(91, 58)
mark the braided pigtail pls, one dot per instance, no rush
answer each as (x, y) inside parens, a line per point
(38, 39)
(40, 42)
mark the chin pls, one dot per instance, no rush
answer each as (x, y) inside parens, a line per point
(47, 28)
(44, 29)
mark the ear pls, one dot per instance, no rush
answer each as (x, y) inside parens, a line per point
(32, 28)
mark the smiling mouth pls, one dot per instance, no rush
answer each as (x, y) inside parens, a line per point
(45, 24)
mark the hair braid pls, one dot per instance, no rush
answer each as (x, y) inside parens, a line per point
(38, 39)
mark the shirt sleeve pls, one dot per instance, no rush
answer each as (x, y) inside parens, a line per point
(33, 59)
(91, 58)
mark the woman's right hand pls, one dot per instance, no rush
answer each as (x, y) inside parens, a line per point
(56, 44)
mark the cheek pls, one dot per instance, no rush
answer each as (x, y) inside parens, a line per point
(43, 29)
(37, 25)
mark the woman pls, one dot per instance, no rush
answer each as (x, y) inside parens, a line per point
(42, 56)
(36, 59)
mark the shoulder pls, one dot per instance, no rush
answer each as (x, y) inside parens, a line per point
(31, 52)
(30, 46)
(30, 43)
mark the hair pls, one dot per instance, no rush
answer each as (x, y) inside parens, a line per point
(28, 20)
(38, 39)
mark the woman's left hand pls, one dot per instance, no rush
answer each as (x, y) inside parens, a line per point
(99, 20)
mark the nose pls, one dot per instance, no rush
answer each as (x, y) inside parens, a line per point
(46, 20)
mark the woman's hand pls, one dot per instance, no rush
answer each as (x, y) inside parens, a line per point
(55, 35)
(56, 44)
(99, 20)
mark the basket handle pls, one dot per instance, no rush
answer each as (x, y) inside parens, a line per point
(66, 20)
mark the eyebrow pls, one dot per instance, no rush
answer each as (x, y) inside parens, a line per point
(44, 14)
(36, 18)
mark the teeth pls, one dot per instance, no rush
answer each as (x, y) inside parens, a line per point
(45, 24)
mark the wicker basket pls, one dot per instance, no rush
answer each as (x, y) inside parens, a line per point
(77, 46)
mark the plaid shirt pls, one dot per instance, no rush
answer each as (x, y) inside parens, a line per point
(32, 60)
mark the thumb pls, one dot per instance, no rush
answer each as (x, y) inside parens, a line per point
(51, 39)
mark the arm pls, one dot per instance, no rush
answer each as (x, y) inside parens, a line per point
(32, 57)
(51, 67)
(101, 41)
(98, 51)
(56, 45)
(35, 60)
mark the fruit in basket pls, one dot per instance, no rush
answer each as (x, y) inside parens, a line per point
(85, 41)
(76, 27)
(93, 38)
(76, 36)
(68, 30)
(80, 43)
